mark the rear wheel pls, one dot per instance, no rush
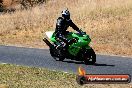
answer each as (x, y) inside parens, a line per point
(56, 54)
(58, 59)
(89, 57)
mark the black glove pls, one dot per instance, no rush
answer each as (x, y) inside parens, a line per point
(81, 32)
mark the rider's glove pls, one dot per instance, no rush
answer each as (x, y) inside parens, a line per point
(81, 32)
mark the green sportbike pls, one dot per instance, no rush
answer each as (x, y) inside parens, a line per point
(78, 50)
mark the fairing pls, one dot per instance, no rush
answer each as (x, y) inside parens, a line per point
(83, 41)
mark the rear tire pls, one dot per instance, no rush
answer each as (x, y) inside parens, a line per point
(89, 57)
(56, 54)
(59, 59)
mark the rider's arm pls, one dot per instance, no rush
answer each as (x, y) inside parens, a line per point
(74, 26)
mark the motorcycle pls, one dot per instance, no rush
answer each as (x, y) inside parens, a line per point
(78, 48)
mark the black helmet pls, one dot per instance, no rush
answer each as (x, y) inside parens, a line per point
(66, 14)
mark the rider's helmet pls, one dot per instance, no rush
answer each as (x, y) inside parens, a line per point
(66, 14)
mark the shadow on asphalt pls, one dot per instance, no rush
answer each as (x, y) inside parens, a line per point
(76, 62)
(96, 64)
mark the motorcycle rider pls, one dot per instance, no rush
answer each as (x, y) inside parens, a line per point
(62, 25)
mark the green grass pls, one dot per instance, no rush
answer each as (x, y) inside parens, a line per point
(31, 77)
(14, 76)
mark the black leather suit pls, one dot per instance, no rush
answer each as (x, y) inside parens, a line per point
(61, 27)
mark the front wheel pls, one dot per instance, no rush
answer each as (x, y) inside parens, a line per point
(89, 56)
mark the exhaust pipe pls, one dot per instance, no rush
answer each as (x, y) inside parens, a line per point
(47, 42)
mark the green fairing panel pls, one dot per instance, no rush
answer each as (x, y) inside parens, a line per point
(53, 38)
(74, 49)
(88, 47)
(83, 41)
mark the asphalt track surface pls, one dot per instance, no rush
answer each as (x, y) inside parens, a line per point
(41, 58)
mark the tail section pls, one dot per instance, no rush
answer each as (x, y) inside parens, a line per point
(49, 34)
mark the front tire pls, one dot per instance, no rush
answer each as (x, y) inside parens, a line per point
(89, 57)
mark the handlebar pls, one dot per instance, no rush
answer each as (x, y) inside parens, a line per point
(81, 32)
